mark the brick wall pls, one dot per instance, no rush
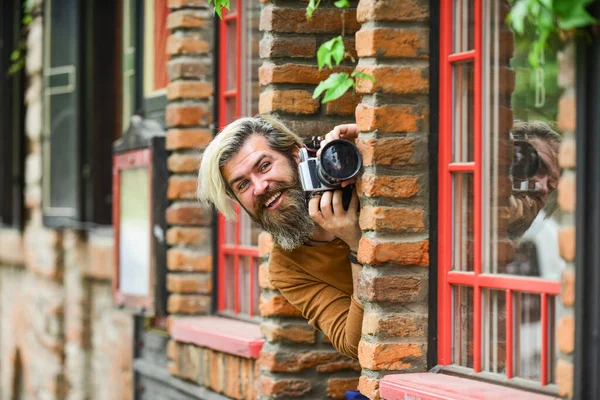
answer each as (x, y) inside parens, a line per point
(392, 45)
(297, 361)
(188, 117)
(566, 237)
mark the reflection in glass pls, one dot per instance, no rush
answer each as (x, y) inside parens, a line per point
(229, 283)
(244, 293)
(463, 127)
(494, 331)
(232, 56)
(462, 222)
(464, 28)
(528, 335)
(462, 353)
(252, 61)
(256, 293)
(134, 232)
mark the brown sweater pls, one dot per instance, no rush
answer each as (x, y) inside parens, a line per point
(317, 280)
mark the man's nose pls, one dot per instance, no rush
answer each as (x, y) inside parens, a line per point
(260, 186)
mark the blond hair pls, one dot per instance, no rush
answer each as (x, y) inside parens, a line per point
(212, 187)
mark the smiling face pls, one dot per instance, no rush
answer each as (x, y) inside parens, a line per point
(265, 183)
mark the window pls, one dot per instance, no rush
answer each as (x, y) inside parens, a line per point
(80, 111)
(498, 170)
(238, 261)
(11, 119)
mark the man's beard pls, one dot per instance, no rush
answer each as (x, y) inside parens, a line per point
(289, 224)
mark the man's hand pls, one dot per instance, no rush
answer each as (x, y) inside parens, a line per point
(347, 132)
(333, 218)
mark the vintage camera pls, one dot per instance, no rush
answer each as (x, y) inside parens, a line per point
(338, 161)
(525, 165)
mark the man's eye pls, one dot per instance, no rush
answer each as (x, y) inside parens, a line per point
(265, 166)
(242, 186)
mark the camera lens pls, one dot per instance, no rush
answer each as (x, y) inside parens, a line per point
(340, 160)
(526, 161)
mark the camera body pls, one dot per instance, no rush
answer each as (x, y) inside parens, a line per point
(338, 161)
(525, 166)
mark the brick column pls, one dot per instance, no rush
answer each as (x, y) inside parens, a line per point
(297, 361)
(188, 118)
(392, 45)
(566, 236)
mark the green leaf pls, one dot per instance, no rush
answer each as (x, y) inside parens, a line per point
(333, 48)
(338, 50)
(332, 81)
(27, 19)
(516, 16)
(339, 90)
(219, 5)
(15, 55)
(311, 8)
(578, 18)
(362, 75)
(342, 4)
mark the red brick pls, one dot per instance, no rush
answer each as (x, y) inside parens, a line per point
(567, 155)
(277, 305)
(189, 90)
(232, 377)
(182, 187)
(295, 73)
(187, 3)
(395, 325)
(346, 364)
(566, 192)
(345, 105)
(284, 387)
(565, 331)
(399, 187)
(189, 283)
(187, 139)
(193, 236)
(392, 151)
(297, 361)
(337, 387)
(388, 42)
(101, 258)
(392, 219)
(173, 349)
(263, 277)
(391, 288)
(188, 214)
(296, 333)
(567, 112)
(564, 378)
(187, 19)
(392, 10)
(289, 101)
(375, 252)
(188, 260)
(188, 114)
(173, 368)
(566, 243)
(567, 287)
(293, 47)
(324, 20)
(188, 304)
(369, 387)
(397, 119)
(412, 79)
(391, 356)
(183, 163)
(189, 68)
(178, 44)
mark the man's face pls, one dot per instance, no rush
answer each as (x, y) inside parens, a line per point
(265, 183)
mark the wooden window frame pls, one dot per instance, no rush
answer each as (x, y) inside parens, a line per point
(477, 280)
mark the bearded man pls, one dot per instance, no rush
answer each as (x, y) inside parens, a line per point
(254, 161)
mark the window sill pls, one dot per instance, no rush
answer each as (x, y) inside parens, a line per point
(221, 334)
(429, 386)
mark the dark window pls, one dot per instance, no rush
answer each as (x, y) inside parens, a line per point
(81, 111)
(11, 119)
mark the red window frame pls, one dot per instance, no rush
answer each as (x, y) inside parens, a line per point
(237, 250)
(477, 280)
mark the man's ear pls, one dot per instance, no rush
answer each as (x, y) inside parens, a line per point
(296, 154)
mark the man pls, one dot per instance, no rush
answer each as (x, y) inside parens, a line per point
(254, 161)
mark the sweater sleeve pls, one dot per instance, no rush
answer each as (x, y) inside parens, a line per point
(337, 314)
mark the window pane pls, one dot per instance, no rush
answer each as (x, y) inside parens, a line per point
(229, 283)
(463, 114)
(521, 143)
(462, 222)
(252, 61)
(256, 294)
(464, 24)
(494, 331)
(244, 276)
(463, 326)
(528, 335)
(232, 56)
(230, 110)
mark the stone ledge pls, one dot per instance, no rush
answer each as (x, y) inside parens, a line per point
(226, 335)
(12, 250)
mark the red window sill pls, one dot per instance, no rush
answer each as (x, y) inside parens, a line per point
(221, 334)
(428, 386)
